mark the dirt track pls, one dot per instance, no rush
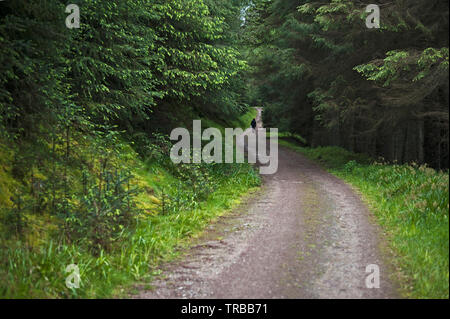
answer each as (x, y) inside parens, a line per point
(306, 234)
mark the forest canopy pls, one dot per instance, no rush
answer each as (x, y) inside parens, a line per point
(128, 60)
(321, 73)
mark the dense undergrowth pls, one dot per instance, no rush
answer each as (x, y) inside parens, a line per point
(411, 203)
(116, 218)
(85, 173)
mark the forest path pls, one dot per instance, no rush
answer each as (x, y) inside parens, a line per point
(305, 234)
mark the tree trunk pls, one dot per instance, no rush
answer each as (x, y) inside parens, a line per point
(421, 135)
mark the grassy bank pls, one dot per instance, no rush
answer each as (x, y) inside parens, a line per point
(165, 205)
(411, 203)
(245, 120)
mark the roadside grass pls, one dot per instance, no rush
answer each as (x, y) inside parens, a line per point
(40, 272)
(411, 203)
(288, 136)
(245, 120)
(175, 204)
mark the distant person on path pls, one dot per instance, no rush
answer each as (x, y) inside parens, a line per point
(254, 125)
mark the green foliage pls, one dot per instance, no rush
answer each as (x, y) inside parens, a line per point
(127, 58)
(108, 212)
(394, 63)
(70, 98)
(290, 137)
(39, 272)
(333, 156)
(429, 58)
(397, 63)
(303, 57)
(104, 212)
(245, 120)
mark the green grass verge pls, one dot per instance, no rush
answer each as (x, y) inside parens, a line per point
(411, 203)
(289, 136)
(245, 120)
(38, 271)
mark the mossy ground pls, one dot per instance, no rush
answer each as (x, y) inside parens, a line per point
(34, 265)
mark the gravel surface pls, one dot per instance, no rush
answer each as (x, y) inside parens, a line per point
(305, 234)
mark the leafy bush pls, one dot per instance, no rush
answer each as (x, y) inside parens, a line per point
(104, 212)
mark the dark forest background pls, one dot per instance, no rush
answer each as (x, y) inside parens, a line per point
(320, 73)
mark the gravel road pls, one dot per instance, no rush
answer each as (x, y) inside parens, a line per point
(305, 234)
